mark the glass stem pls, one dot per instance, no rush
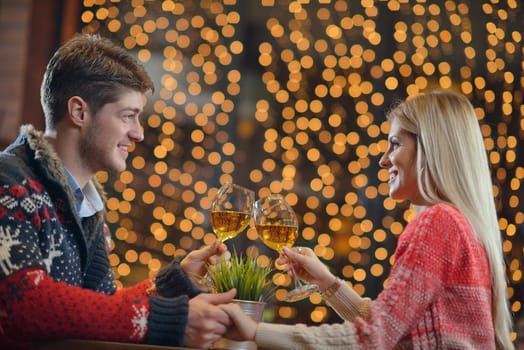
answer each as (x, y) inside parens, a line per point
(294, 275)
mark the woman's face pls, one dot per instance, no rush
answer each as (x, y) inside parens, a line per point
(400, 160)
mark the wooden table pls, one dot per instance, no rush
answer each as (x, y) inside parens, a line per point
(73, 344)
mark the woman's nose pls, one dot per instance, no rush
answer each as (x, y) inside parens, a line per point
(384, 161)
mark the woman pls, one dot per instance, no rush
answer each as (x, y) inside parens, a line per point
(447, 286)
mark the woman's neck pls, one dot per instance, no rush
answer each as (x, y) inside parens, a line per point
(420, 208)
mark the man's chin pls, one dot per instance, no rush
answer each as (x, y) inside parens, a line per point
(120, 169)
(116, 168)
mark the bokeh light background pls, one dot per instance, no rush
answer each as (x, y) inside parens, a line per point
(289, 97)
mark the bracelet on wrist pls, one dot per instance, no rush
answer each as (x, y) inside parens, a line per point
(332, 289)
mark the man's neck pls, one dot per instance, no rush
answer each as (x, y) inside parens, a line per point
(65, 147)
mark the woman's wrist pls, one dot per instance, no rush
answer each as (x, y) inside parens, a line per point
(254, 334)
(331, 289)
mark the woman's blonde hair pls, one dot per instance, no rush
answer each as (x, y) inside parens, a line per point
(453, 167)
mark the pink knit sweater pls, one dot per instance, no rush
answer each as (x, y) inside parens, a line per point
(438, 296)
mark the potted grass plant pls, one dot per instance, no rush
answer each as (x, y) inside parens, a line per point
(252, 281)
(254, 287)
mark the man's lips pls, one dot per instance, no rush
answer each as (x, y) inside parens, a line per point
(124, 149)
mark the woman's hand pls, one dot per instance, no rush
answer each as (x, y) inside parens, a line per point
(307, 266)
(194, 264)
(244, 327)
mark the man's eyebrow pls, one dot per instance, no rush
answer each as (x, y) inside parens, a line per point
(133, 109)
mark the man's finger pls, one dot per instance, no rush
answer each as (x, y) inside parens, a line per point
(221, 298)
(206, 252)
(219, 255)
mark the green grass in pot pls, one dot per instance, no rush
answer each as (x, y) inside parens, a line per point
(251, 280)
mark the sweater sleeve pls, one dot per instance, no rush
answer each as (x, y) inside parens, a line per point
(171, 281)
(300, 337)
(34, 306)
(347, 303)
(140, 290)
(423, 259)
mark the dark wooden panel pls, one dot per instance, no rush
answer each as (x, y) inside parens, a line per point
(97, 345)
(15, 17)
(30, 31)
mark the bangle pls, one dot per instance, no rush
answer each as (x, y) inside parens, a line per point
(331, 289)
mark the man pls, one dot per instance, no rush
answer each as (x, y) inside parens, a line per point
(55, 276)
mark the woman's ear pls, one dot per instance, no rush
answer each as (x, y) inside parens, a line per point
(77, 110)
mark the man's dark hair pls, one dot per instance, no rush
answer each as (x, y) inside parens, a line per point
(93, 68)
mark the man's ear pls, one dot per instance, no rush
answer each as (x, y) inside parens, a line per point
(77, 110)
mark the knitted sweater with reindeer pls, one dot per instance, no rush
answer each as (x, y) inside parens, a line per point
(55, 277)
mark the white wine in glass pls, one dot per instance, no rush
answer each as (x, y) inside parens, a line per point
(231, 210)
(277, 226)
(230, 215)
(277, 236)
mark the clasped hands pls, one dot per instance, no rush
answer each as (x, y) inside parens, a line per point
(213, 316)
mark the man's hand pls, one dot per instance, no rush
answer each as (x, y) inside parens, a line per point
(194, 264)
(207, 322)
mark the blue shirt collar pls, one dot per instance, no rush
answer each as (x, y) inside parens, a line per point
(88, 200)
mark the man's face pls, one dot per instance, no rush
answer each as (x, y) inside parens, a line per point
(110, 133)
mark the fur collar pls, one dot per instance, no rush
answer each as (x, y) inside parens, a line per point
(44, 150)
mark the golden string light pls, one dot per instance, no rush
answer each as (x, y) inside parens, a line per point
(293, 102)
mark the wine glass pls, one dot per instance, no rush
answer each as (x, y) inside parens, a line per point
(231, 210)
(277, 226)
(230, 214)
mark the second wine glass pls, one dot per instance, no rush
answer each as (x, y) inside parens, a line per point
(231, 210)
(277, 226)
